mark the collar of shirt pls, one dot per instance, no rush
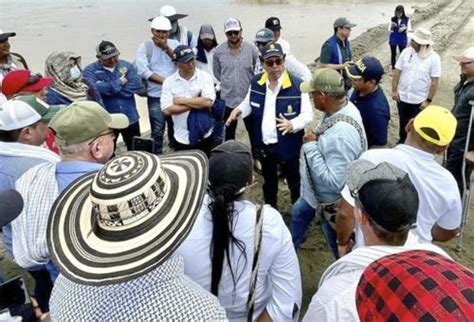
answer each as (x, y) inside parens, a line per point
(284, 80)
(77, 166)
(110, 69)
(279, 83)
(178, 76)
(417, 153)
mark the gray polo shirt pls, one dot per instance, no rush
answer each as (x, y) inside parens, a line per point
(235, 71)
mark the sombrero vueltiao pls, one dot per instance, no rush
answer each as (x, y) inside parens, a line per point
(125, 220)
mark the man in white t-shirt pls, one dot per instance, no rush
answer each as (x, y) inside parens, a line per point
(186, 91)
(415, 78)
(439, 214)
(386, 206)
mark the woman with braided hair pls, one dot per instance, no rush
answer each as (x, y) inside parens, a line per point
(240, 252)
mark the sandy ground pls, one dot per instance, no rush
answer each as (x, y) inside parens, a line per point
(452, 23)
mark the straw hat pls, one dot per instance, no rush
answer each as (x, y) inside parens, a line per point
(422, 36)
(127, 219)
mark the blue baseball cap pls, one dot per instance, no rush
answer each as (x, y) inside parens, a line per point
(367, 68)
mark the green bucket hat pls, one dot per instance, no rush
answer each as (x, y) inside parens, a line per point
(324, 80)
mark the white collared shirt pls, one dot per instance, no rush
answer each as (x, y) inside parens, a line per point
(200, 84)
(269, 123)
(416, 74)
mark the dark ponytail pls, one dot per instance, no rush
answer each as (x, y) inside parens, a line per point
(222, 210)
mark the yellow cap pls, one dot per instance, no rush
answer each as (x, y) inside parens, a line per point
(436, 124)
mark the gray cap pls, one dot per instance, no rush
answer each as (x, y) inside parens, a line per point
(264, 35)
(343, 22)
(11, 205)
(206, 32)
(385, 193)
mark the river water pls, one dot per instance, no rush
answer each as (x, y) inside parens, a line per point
(43, 26)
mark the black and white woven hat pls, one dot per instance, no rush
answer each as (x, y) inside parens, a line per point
(125, 220)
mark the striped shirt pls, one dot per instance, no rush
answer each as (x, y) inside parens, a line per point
(234, 71)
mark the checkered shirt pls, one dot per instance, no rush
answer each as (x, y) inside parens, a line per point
(416, 286)
(164, 294)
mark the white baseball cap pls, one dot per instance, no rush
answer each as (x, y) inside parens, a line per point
(161, 23)
(467, 56)
(232, 24)
(24, 111)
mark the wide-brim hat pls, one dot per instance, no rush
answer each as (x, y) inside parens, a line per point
(128, 218)
(422, 36)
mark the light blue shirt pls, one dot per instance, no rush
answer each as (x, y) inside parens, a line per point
(159, 63)
(328, 158)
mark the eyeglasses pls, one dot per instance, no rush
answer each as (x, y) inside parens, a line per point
(260, 43)
(272, 62)
(112, 133)
(232, 33)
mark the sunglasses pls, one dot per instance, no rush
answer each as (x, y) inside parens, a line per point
(112, 133)
(272, 62)
(232, 33)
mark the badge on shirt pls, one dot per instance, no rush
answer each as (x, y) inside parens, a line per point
(289, 110)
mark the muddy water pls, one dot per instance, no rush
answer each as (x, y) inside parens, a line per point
(44, 25)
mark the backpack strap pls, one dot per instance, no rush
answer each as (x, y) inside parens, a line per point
(330, 122)
(190, 37)
(255, 263)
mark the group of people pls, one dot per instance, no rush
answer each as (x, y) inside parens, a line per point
(147, 235)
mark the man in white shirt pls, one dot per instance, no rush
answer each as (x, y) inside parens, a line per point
(386, 207)
(415, 78)
(279, 114)
(188, 90)
(439, 214)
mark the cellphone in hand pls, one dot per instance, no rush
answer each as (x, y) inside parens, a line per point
(142, 144)
(14, 298)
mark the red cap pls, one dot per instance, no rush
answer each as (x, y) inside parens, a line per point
(23, 81)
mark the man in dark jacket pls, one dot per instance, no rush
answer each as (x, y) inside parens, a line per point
(463, 94)
(117, 81)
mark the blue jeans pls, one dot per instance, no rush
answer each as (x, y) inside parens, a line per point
(301, 216)
(157, 122)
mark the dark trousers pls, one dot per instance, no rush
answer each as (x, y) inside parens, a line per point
(128, 134)
(170, 126)
(205, 145)
(43, 288)
(230, 130)
(289, 169)
(406, 112)
(454, 160)
(393, 50)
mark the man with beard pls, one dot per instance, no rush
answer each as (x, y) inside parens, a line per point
(234, 65)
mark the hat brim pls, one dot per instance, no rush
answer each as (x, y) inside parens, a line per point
(232, 29)
(173, 17)
(114, 54)
(421, 41)
(119, 121)
(355, 171)
(463, 59)
(53, 109)
(185, 59)
(38, 86)
(306, 87)
(352, 71)
(88, 254)
(6, 35)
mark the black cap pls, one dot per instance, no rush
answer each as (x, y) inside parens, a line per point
(273, 23)
(106, 50)
(272, 50)
(11, 205)
(230, 164)
(5, 35)
(183, 54)
(386, 194)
